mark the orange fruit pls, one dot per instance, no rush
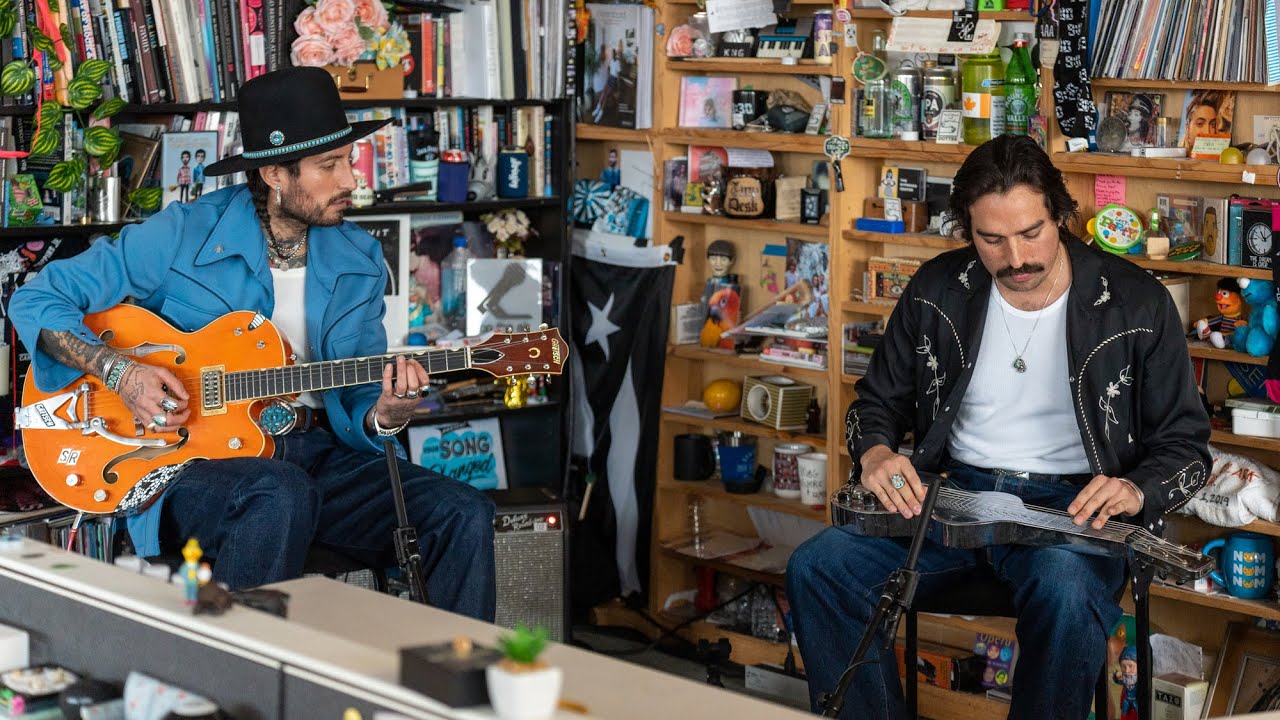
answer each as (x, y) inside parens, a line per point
(722, 395)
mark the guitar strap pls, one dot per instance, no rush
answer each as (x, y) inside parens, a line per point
(145, 492)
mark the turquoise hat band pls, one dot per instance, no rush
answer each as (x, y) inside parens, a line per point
(304, 145)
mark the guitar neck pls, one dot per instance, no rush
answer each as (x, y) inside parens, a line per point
(326, 375)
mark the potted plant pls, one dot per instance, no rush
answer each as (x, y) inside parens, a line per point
(521, 686)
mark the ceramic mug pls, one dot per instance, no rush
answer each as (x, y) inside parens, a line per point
(813, 479)
(1247, 564)
(786, 469)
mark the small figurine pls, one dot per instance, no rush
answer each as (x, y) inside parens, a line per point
(191, 553)
(362, 196)
(721, 294)
(1258, 335)
(1127, 677)
(1219, 329)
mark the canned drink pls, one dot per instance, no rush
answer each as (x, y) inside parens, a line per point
(905, 92)
(822, 37)
(939, 94)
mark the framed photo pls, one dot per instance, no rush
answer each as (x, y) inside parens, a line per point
(1138, 112)
(1206, 112)
(393, 232)
(137, 156)
(1247, 678)
(469, 451)
(183, 157)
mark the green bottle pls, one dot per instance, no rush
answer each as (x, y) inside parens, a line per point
(1019, 88)
(982, 97)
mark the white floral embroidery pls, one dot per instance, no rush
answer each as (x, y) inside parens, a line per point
(964, 274)
(935, 387)
(852, 426)
(1106, 293)
(1078, 393)
(1113, 392)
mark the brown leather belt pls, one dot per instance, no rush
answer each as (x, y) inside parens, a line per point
(310, 418)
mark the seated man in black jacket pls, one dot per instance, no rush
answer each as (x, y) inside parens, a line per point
(1028, 363)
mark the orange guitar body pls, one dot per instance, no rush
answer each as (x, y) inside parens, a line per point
(92, 473)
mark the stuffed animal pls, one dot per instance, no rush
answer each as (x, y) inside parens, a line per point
(1258, 335)
(1218, 330)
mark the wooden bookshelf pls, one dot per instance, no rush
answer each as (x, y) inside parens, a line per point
(748, 66)
(778, 226)
(1264, 609)
(1201, 349)
(748, 428)
(863, 308)
(913, 150)
(1093, 163)
(1222, 437)
(587, 131)
(1138, 83)
(1199, 267)
(751, 362)
(778, 142)
(764, 578)
(420, 103)
(999, 16)
(714, 489)
(929, 240)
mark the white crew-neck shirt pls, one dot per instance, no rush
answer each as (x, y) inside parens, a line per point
(290, 318)
(1021, 421)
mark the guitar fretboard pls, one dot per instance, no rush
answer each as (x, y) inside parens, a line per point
(309, 377)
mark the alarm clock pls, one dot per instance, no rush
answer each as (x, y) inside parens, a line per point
(1117, 229)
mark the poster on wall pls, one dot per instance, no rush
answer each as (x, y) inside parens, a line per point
(469, 451)
(393, 232)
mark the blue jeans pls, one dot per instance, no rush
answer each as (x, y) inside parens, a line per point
(1066, 602)
(257, 517)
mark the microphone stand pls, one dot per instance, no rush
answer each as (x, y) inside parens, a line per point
(406, 536)
(899, 593)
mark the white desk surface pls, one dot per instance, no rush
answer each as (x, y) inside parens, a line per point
(349, 636)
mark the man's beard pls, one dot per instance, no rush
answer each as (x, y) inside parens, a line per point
(300, 208)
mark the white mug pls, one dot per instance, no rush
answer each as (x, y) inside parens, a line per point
(813, 479)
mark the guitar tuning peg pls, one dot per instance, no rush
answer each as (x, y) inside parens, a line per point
(544, 327)
(510, 329)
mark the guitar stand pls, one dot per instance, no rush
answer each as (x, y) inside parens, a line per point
(899, 593)
(406, 536)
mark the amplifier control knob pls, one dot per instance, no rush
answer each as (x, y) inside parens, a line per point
(235, 443)
(73, 480)
(100, 495)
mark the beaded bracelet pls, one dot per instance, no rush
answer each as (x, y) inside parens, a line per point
(117, 372)
(384, 432)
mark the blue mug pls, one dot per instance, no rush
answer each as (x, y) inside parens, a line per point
(1247, 563)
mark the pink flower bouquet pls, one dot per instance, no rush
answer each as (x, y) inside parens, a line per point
(340, 32)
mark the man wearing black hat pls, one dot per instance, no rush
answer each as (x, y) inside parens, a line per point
(278, 246)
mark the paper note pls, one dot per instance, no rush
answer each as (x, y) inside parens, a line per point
(746, 158)
(726, 15)
(1108, 190)
(929, 35)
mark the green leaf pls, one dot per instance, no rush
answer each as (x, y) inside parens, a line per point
(105, 160)
(100, 140)
(146, 198)
(109, 108)
(93, 70)
(81, 93)
(41, 41)
(66, 175)
(50, 113)
(8, 18)
(366, 33)
(53, 5)
(54, 63)
(17, 77)
(45, 141)
(67, 40)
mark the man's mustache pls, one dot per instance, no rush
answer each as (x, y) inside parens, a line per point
(1024, 270)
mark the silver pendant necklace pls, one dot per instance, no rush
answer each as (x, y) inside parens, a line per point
(1018, 363)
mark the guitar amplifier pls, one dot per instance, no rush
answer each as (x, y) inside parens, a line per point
(531, 551)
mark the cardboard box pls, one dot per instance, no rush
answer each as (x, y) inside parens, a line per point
(1177, 697)
(935, 664)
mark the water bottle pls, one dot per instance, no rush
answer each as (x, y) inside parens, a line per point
(982, 97)
(1019, 88)
(875, 118)
(453, 285)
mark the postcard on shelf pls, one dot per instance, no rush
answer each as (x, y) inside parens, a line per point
(183, 157)
(686, 323)
(707, 102)
(503, 293)
(675, 175)
(705, 163)
(1138, 112)
(392, 232)
(810, 262)
(698, 409)
(1207, 112)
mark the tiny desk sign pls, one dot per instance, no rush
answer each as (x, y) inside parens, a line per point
(468, 451)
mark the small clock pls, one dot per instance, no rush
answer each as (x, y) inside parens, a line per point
(1258, 237)
(1117, 229)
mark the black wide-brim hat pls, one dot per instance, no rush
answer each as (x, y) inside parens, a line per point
(290, 114)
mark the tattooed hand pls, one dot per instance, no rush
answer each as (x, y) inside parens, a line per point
(154, 392)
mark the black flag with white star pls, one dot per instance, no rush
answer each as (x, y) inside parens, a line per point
(620, 299)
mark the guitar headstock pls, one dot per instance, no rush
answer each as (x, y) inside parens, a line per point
(541, 352)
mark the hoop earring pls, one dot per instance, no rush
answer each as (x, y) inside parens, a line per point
(279, 196)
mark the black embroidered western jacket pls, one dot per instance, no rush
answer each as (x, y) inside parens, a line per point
(1136, 403)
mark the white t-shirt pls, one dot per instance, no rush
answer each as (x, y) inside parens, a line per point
(1020, 420)
(290, 318)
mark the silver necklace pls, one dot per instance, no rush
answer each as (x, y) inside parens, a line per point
(1018, 363)
(286, 252)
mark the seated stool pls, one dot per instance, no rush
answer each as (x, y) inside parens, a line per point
(985, 595)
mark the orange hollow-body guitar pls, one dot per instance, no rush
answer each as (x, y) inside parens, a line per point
(86, 451)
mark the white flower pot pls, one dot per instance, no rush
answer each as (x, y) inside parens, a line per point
(524, 695)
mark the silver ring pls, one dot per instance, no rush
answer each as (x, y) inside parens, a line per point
(897, 480)
(399, 396)
(160, 420)
(424, 389)
(411, 394)
(169, 404)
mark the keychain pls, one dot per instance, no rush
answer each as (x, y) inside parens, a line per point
(837, 148)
